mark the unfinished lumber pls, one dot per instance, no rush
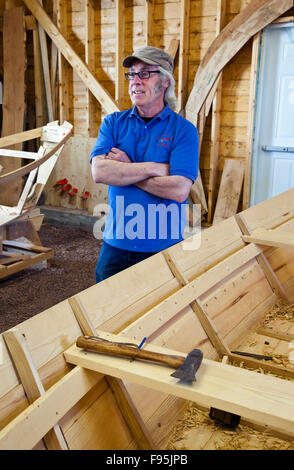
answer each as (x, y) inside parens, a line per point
(24, 170)
(275, 334)
(14, 99)
(251, 115)
(264, 399)
(148, 27)
(183, 54)
(268, 237)
(229, 191)
(63, 65)
(215, 121)
(254, 17)
(78, 65)
(30, 379)
(46, 70)
(271, 276)
(216, 340)
(120, 52)
(173, 48)
(90, 61)
(125, 403)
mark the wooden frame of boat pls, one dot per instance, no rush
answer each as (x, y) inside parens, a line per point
(24, 220)
(210, 297)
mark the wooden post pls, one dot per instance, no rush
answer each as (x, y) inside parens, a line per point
(149, 10)
(251, 112)
(183, 56)
(125, 403)
(215, 121)
(120, 53)
(90, 61)
(32, 384)
(213, 335)
(14, 101)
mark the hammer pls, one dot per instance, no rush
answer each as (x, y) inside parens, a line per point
(186, 366)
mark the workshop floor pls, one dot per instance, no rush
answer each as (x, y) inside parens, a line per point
(29, 292)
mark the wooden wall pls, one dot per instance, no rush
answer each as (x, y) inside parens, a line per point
(92, 23)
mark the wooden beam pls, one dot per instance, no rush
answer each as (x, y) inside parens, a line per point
(63, 65)
(269, 273)
(215, 338)
(14, 98)
(78, 65)
(46, 70)
(215, 121)
(20, 137)
(251, 114)
(262, 398)
(29, 377)
(275, 334)
(24, 170)
(229, 190)
(257, 15)
(123, 398)
(149, 18)
(173, 48)
(54, 61)
(39, 81)
(183, 54)
(278, 238)
(90, 61)
(120, 52)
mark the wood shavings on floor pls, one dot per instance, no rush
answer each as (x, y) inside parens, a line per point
(197, 431)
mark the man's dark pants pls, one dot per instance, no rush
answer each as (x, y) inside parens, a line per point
(112, 260)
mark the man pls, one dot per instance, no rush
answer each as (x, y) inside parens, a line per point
(148, 156)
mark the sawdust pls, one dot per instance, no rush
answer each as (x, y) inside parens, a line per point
(195, 430)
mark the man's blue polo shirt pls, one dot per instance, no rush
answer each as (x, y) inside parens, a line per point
(137, 220)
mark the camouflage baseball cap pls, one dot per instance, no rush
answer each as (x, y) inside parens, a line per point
(151, 55)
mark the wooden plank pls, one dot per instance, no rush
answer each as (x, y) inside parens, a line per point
(183, 54)
(208, 326)
(173, 48)
(270, 238)
(275, 334)
(14, 100)
(148, 26)
(257, 15)
(63, 65)
(20, 137)
(251, 114)
(229, 191)
(78, 65)
(271, 276)
(31, 166)
(54, 60)
(167, 308)
(43, 414)
(215, 121)
(120, 52)
(264, 399)
(90, 61)
(125, 403)
(17, 345)
(46, 70)
(39, 89)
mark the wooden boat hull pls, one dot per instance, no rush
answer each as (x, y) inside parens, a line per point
(233, 283)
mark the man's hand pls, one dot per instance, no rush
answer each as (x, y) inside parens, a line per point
(118, 155)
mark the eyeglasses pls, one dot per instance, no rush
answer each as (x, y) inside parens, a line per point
(143, 74)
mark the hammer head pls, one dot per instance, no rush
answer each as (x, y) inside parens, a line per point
(187, 370)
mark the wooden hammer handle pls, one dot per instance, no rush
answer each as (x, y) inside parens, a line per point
(119, 349)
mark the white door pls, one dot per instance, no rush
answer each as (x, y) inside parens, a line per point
(273, 147)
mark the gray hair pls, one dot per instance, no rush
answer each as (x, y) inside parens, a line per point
(170, 95)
